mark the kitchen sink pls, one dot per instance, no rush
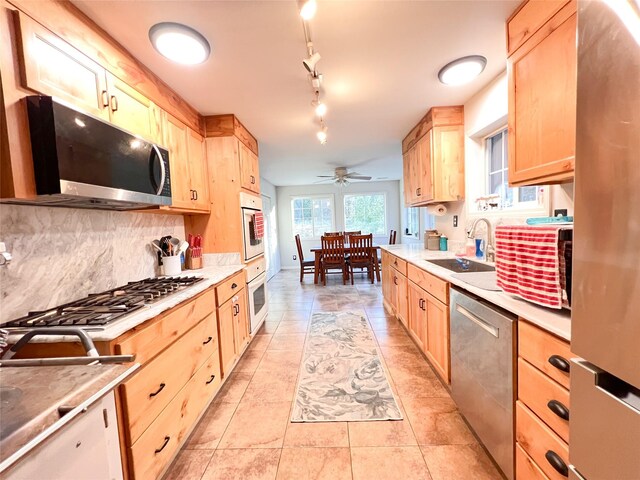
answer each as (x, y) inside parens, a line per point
(462, 265)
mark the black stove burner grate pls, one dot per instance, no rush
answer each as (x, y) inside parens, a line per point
(100, 309)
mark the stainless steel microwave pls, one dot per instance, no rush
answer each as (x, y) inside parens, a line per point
(84, 162)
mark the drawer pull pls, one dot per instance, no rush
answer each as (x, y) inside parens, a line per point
(208, 340)
(559, 409)
(213, 377)
(557, 463)
(151, 395)
(166, 440)
(234, 286)
(559, 362)
(395, 280)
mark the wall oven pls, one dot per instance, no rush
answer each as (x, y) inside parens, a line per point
(257, 291)
(252, 226)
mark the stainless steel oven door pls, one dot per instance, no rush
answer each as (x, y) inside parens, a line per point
(258, 305)
(253, 246)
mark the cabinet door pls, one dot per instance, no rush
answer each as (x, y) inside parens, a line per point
(406, 177)
(438, 336)
(249, 169)
(447, 163)
(414, 168)
(542, 104)
(402, 309)
(198, 172)
(176, 138)
(132, 111)
(424, 172)
(417, 314)
(241, 326)
(386, 277)
(53, 67)
(226, 321)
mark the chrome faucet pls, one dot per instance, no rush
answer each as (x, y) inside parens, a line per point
(490, 254)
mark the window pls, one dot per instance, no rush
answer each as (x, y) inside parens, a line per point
(412, 222)
(366, 212)
(312, 216)
(497, 188)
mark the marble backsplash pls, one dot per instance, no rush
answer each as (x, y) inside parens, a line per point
(62, 254)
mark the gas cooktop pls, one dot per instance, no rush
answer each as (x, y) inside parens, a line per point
(100, 309)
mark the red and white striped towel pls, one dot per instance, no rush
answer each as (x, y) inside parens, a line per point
(527, 263)
(258, 219)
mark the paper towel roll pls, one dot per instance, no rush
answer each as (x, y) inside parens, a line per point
(437, 210)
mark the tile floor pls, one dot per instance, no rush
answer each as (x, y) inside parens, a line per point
(246, 433)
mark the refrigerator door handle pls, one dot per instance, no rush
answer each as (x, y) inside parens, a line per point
(619, 390)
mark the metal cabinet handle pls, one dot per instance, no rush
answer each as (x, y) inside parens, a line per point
(105, 98)
(559, 362)
(253, 179)
(166, 440)
(234, 286)
(213, 377)
(151, 395)
(195, 193)
(418, 192)
(191, 192)
(395, 280)
(559, 409)
(114, 103)
(208, 340)
(557, 463)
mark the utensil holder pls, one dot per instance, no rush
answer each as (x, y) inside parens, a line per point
(171, 265)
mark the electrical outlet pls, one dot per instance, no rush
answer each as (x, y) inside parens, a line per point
(295, 257)
(455, 220)
(560, 212)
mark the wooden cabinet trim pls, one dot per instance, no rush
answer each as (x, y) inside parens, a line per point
(528, 19)
(436, 116)
(430, 283)
(228, 125)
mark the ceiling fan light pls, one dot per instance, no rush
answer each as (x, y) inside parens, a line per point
(179, 43)
(462, 70)
(308, 9)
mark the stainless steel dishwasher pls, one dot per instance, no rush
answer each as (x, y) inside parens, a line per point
(482, 373)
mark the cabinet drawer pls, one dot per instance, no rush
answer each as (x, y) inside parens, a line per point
(526, 468)
(432, 284)
(537, 391)
(528, 20)
(146, 394)
(230, 287)
(544, 351)
(157, 445)
(149, 340)
(399, 264)
(540, 443)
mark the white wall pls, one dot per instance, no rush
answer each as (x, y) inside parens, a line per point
(285, 194)
(484, 113)
(267, 189)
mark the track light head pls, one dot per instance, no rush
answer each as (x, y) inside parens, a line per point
(307, 9)
(310, 63)
(322, 135)
(316, 80)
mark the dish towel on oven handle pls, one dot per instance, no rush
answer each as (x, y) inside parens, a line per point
(258, 219)
(528, 263)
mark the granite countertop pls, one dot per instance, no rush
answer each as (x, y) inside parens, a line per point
(557, 322)
(212, 275)
(30, 397)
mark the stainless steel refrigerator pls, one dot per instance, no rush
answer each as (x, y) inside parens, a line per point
(605, 331)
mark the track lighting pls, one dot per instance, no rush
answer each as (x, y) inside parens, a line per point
(322, 134)
(310, 63)
(307, 9)
(321, 109)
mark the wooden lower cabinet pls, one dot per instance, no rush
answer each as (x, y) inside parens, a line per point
(155, 448)
(399, 297)
(417, 315)
(438, 348)
(526, 468)
(234, 330)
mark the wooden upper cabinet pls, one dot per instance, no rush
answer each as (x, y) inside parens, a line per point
(198, 172)
(433, 154)
(53, 67)
(187, 160)
(542, 77)
(249, 169)
(132, 111)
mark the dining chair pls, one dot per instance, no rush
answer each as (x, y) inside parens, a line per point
(333, 257)
(361, 254)
(348, 234)
(332, 234)
(307, 266)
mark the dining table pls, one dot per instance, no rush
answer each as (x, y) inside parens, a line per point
(317, 251)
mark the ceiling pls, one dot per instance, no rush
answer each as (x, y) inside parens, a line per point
(380, 61)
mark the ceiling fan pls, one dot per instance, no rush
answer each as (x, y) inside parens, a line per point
(341, 177)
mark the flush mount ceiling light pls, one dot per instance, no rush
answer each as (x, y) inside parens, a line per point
(179, 43)
(462, 70)
(307, 9)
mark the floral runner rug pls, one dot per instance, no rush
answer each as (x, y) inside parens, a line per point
(341, 376)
